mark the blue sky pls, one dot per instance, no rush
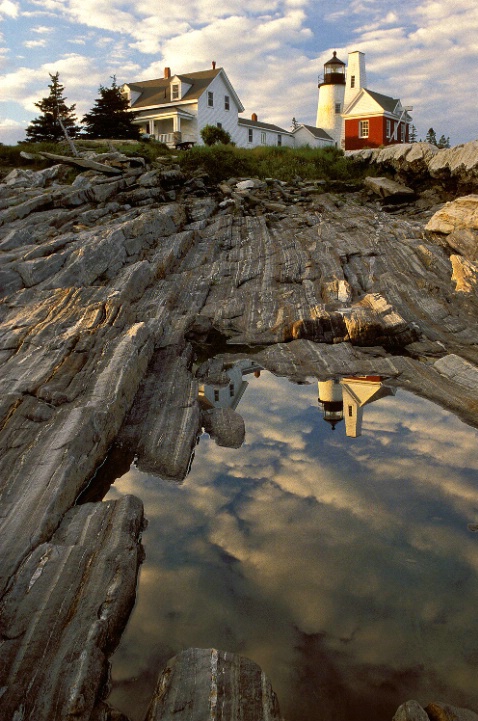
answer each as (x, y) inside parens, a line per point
(425, 53)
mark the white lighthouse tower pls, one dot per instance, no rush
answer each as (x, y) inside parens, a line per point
(331, 99)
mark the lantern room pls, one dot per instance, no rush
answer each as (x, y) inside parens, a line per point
(334, 72)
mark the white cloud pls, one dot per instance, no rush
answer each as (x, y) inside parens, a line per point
(9, 8)
(11, 131)
(35, 43)
(42, 29)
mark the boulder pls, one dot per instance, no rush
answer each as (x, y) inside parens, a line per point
(458, 221)
(203, 684)
(410, 711)
(389, 190)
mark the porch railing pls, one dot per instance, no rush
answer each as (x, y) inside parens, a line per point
(172, 139)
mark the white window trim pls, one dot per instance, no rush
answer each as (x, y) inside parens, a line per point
(175, 91)
(250, 135)
(210, 99)
(364, 128)
(227, 103)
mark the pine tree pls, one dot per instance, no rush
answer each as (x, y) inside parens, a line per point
(47, 127)
(443, 142)
(413, 134)
(110, 117)
(431, 137)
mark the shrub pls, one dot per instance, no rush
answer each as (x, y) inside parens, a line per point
(212, 135)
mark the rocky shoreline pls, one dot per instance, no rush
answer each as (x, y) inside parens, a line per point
(106, 282)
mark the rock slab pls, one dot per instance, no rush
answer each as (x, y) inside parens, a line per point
(211, 685)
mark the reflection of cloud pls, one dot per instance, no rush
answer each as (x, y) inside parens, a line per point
(363, 544)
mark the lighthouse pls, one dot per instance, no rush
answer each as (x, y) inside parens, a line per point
(331, 99)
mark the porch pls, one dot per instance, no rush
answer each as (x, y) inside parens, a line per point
(173, 128)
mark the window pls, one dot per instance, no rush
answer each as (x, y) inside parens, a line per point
(351, 411)
(231, 390)
(263, 138)
(279, 139)
(226, 102)
(216, 396)
(337, 108)
(363, 129)
(251, 135)
(175, 92)
(388, 129)
(210, 99)
(352, 81)
(219, 125)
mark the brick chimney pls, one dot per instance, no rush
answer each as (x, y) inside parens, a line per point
(254, 117)
(167, 73)
(213, 64)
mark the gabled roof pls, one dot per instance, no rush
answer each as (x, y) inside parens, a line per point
(158, 92)
(264, 126)
(316, 132)
(386, 103)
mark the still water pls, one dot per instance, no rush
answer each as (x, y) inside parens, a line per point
(346, 567)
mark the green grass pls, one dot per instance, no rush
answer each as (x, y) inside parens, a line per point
(219, 162)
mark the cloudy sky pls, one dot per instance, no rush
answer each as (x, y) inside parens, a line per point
(425, 52)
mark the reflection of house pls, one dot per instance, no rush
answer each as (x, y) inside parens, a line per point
(347, 397)
(228, 396)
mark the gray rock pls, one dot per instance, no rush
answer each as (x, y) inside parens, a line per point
(410, 711)
(389, 190)
(64, 612)
(210, 684)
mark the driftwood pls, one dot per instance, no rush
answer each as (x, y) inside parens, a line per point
(82, 163)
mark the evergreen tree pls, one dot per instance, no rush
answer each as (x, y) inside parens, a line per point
(47, 127)
(110, 116)
(413, 134)
(431, 137)
(443, 142)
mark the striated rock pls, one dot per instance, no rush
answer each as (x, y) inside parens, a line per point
(99, 302)
(64, 612)
(410, 711)
(205, 684)
(167, 400)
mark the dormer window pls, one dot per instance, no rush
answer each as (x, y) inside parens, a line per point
(175, 91)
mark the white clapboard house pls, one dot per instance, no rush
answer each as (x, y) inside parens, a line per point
(174, 109)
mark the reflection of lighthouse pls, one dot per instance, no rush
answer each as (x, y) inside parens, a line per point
(346, 398)
(331, 401)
